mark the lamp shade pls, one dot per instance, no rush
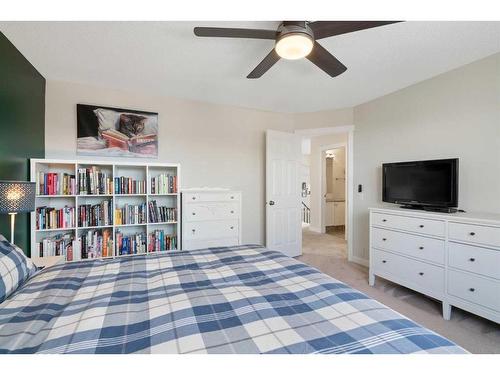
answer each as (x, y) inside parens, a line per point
(17, 196)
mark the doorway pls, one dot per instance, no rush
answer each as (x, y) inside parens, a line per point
(326, 229)
(334, 191)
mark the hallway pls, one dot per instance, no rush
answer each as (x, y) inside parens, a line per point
(328, 253)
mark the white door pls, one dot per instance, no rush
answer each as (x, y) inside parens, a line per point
(283, 193)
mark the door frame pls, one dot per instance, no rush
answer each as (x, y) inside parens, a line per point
(349, 129)
(322, 183)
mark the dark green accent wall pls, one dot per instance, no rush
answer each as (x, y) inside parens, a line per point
(22, 126)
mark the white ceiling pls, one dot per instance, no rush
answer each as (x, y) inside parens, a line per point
(165, 58)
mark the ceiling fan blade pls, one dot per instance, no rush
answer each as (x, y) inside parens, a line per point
(324, 29)
(222, 32)
(325, 61)
(266, 64)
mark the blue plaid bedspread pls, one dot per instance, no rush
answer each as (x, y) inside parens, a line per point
(243, 299)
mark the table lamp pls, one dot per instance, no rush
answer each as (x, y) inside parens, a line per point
(16, 197)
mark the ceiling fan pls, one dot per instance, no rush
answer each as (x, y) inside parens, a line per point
(295, 40)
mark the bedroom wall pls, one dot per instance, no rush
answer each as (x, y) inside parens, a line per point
(217, 146)
(456, 114)
(22, 108)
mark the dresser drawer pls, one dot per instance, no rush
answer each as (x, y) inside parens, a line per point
(212, 196)
(210, 229)
(202, 244)
(479, 234)
(474, 259)
(421, 276)
(424, 248)
(474, 289)
(412, 224)
(211, 211)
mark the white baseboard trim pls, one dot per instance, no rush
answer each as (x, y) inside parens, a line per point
(314, 229)
(358, 260)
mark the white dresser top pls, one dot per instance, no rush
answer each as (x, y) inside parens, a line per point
(477, 217)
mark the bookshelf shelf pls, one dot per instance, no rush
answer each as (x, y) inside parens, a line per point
(56, 196)
(96, 227)
(57, 176)
(56, 229)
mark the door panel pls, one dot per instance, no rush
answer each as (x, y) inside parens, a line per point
(283, 194)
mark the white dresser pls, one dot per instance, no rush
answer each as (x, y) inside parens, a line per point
(454, 258)
(210, 218)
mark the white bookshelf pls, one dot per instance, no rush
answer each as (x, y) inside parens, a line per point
(137, 171)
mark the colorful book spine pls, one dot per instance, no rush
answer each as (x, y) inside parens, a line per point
(130, 214)
(52, 218)
(92, 181)
(55, 184)
(164, 184)
(95, 244)
(159, 241)
(161, 214)
(130, 244)
(127, 185)
(58, 245)
(95, 215)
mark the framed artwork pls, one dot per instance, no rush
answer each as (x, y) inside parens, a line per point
(105, 131)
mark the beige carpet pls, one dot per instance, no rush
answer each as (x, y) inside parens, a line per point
(328, 253)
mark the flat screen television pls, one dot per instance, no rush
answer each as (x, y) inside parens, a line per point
(421, 184)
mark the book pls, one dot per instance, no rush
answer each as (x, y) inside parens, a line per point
(58, 245)
(92, 181)
(127, 185)
(55, 184)
(130, 244)
(53, 218)
(159, 241)
(130, 214)
(164, 184)
(95, 244)
(161, 214)
(95, 215)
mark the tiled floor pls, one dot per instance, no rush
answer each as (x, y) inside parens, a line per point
(328, 253)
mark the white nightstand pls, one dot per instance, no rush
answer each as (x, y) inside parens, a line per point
(48, 261)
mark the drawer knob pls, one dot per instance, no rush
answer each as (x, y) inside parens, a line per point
(194, 213)
(232, 211)
(384, 261)
(384, 239)
(421, 273)
(472, 289)
(420, 247)
(421, 225)
(194, 198)
(472, 233)
(472, 259)
(384, 220)
(232, 227)
(232, 197)
(194, 230)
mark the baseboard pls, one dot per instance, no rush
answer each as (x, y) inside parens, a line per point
(358, 260)
(314, 229)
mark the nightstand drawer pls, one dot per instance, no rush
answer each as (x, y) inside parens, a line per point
(211, 211)
(424, 248)
(474, 289)
(412, 224)
(210, 229)
(212, 196)
(474, 259)
(480, 234)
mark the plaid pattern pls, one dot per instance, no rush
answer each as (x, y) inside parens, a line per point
(243, 299)
(15, 268)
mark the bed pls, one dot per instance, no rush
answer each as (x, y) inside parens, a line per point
(243, 299)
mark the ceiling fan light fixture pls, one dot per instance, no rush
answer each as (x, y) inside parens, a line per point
(294, 46)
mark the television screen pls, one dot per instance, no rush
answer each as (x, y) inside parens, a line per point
(421, 183)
